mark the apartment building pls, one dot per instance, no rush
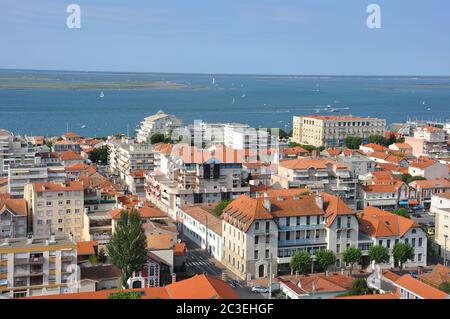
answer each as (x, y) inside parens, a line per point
(423, 190)
(13, 150)
(136, 182)
(126, 156)
(21, 174)
(56, 208)
(188, 175)
(388, 158)
(428, 169)
(428, 141)
(318, 175)
(357, 164)
(386, 229)
(440, 206)
(385, 195)
(204, 133)
(157, 123)
(402, 147)
(200, 225)
(66, 145)
(13, 217)
(330, 131)
(38, 267)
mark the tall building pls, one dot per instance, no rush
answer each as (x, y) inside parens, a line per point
(440, 206)
(38, 266)
(13, 150)
(56, 209)
(319, 130)
(157, 123)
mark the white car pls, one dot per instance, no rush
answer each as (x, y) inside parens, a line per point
(260, 289)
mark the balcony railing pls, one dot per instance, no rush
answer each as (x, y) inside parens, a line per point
(29, 261)
(302, 241)
(301, 227)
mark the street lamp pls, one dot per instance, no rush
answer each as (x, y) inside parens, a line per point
(313, 259)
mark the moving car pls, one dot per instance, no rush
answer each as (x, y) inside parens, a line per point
(260, 289)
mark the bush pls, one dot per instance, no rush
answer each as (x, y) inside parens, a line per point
(221, 206)
(124, 295)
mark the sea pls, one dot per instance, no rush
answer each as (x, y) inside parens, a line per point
(51, 102)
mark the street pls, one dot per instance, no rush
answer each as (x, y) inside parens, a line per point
(199, 262)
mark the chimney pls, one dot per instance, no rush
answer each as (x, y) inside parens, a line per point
(327, 273)
(267, 205)
(174, 278)
(319, 201)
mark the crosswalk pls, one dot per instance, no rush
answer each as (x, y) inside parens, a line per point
(199, 263)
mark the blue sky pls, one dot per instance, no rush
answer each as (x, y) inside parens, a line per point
(228, 36)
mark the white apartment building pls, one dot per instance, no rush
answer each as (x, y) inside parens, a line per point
(21, 174)
(204, 133)
(56, 209)
(331, 130)
(199, 224)
(157, 123)
(319, 175)
(440, 206)
(38, 266)
(188, 175)
(386, 229)
(357, 164)
(126, 156)
(428, 141)
(13, 150)
(428, 169)
(383, 196)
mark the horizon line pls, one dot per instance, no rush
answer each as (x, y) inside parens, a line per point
(229, 74)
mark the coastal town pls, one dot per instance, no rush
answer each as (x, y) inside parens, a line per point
(339, 207)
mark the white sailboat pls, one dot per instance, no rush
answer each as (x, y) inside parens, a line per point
(102, 94)
(214, 81)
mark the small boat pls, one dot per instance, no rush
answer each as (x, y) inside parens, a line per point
(233, 101)
(334, 110)
(83, 126)
(317, 111)
(102, 94)
(328, 106)
(428, 108)
(214, 81)
(243, 95)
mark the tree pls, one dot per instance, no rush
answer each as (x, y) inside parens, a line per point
(300, 261)
(221, 206)
(249, 178)
(407, 178)
(99, 155)
(377, 139)
(101, 256)
(157, 138)
(128, 245)
(124, 295)
(401, 212)
(282, 134)
(402, 253)
(379, 254)
(359, 287)
(48, 143)
(325, 258)
(352, 255)
(352, 142)
(445, 286)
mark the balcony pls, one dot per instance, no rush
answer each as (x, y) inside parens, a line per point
(302, 241)
(301, 227)
(29, 261)
(262, 231)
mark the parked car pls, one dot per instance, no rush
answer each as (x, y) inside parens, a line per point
(260, 289)
(235, 283)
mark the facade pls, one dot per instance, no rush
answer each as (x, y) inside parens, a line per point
(423, 190)
(428, 141)
(386, 229)
(318, 175)
(37, 267)
(384, 196)
(56, 209)
(157, 123)
(13, 217)
(330, 131)
(13, 150)
(200, 225)
(440, 206)
(428, 169)
(66, 145)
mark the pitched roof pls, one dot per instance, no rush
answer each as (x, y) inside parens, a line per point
(432, 183)
(144, 212)
(437, 276)
(375, 147)
(296, 150)
(86, 247)
(70, 155)
(163, 148)
(71, 135)
(403, 146)
(422, 164)
(323, 283)
(40, 187)
(201, 287)
(203, 213)
(333, 207)
(420, 288)
(100, 272)
(379, 223)
(379, 188)
(333, 151)
(371, 296)
(17, 206)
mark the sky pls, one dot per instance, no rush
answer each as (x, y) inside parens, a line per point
(317, 37)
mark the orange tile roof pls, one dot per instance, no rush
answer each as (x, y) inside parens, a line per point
(201, 287)
(144, 212)
(371, 296)
(379, 223)
(420, 288)
(380, 188)
(137, 173)
(323, 283)
(163, 148)
(390, 275)
(403, 146)
(443, 195)
(333, 207)
(201, 213)
(147, 293)
(161, 241)
(86, 247)
(285, 192)
(296, 150)
(71, 135)
(375, 147)
(78, 167)
(65, 142)
(383, 175)
(437, 276)
(432, 183)
(17, 206)
(40, 187)
(179, 249)
(70, 155)
(422, 164)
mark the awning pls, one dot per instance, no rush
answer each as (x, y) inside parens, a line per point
(413, 202)
(403, 202)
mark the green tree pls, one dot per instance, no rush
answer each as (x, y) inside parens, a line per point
(99, 155)
(124, 295)
(221, 206)
(127, 247)
(352, 142)
(249, 178)
(325, 258)
(407, 178)
(351, 256)
(93, 260)
(402, 253)
(445, 286)
(401, 212)
(377, 139)
(102, 256)
(48, 143)
(379, 254)
(157, 138)
(300, 261)
(283, 134)
(400, 140)
(359, 287)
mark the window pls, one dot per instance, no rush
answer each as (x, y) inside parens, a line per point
(68, 211)
(307, 220)
(348, 234)
(49, 203)
(288, 235)
(256, 254)
(413, 242)
(388, 243)
(338, 234)
(338, 248)
(68, 202)
(419, 257)
(298, 220)
(256, 240)
(267, 227)
(420, 242)
(318, 220)
(267, 254)
(288, 221)
(380, 242)
(267, 239)
(257, 226)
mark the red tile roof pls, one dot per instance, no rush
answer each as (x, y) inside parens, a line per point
(86, 247)
(420, 288)
(41, 187)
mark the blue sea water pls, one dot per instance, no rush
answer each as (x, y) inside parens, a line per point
(261, 101)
